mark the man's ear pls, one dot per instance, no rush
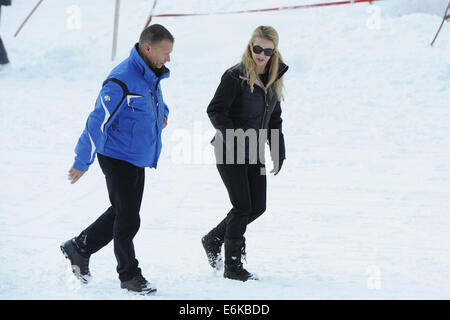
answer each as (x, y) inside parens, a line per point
(147, 47)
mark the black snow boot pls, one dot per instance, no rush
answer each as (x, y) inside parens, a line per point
(79, 262)
(212, 245)
(234, 250)
(138, 284)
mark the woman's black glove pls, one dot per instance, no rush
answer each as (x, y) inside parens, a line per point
(278, 159)
(277, 167)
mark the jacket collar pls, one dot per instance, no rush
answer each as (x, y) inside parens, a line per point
(145, 70)
(282, 68)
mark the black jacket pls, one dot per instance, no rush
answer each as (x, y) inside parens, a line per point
(234, 106)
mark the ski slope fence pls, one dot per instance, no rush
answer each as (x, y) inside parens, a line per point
(304, 6)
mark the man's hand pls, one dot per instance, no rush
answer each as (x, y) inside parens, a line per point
(165, 122)
(74, 175)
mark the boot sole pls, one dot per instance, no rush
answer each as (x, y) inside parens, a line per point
(75, 269)
(252, 277)
(142, 293)
(216, 264)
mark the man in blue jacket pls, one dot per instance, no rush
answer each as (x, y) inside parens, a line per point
(124, 131)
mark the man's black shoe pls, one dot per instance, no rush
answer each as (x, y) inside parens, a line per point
(79, 263)
(138, 284)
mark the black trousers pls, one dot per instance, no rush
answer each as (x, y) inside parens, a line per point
(121, 221)
(3, 55)
(247, 189)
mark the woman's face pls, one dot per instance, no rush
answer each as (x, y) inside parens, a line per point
(260, 58)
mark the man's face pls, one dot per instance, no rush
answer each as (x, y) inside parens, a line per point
(158, 54)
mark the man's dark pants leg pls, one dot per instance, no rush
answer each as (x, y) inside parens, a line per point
(247, 189)
(121, 221)
(3, 55)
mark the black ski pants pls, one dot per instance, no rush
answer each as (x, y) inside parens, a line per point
(3, 55)
(121, 221)
(247, 187)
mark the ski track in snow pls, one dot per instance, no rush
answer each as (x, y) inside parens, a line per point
(362, 198)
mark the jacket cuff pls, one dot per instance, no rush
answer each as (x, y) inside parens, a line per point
(80, 165)
(166, 111)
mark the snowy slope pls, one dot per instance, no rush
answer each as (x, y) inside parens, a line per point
(396, 8)
(359, 210)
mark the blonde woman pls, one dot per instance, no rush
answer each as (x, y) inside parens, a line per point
(247, 98)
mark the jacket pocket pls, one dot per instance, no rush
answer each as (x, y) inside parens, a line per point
(119, 135)
(144, 136)
(139, 104)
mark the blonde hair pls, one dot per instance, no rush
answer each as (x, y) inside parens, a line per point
(268, 33)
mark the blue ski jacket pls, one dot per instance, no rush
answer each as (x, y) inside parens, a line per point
(128, 117)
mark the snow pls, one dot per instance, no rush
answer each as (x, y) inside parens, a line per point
(359, 210)
(396, 8)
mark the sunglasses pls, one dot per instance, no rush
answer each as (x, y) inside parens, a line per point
(267, 52)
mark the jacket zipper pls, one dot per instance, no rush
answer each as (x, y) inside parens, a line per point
(154, 114)
(265, 111)
(151, 99)
(265, 104)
